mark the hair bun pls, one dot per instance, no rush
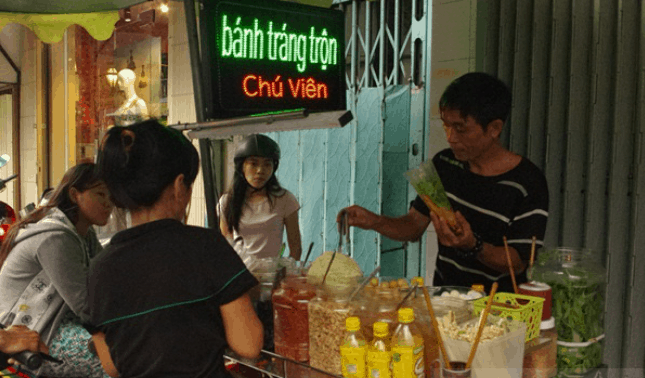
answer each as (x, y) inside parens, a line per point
(127, 139)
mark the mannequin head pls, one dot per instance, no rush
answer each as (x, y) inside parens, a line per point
(126, 78)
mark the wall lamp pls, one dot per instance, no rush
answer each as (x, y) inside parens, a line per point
(299, 119)
(111, 76)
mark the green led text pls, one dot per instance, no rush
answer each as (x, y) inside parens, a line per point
(277, 43)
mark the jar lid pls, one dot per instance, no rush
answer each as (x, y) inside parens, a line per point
(477, 287)
(535, 286)
(381, 329)
(547, 324)
(417, 280)
(353, 323)
(406, 315)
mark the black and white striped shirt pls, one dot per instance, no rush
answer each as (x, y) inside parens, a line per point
(513, 204)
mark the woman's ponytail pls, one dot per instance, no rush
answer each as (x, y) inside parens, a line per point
(139, 161)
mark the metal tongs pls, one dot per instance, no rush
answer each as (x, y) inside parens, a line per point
(343, 230)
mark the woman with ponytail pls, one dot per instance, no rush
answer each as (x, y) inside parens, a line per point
(45, 259)
(165, 298)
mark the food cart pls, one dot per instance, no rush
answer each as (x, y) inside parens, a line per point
(212, 104)
(521, 351)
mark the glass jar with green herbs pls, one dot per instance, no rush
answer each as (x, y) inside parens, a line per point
(578, 280)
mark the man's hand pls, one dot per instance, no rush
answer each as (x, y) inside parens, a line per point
(19, 338)
(358, 217)
(462, 239)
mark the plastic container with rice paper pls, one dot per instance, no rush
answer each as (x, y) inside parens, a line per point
(499, 355)
(330, 307)
(328, 311)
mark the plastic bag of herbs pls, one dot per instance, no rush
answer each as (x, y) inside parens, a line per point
(426, 181)
(578, 280)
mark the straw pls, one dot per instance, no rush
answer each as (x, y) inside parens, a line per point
(346, 220)
(435, 324)
(304, 262)
(341, 232)
(482, 324)
(364, 283)
(328, 267)
(413, 289)
(510, 266)
(532, 258)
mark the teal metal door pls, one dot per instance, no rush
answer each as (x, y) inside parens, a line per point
(363, 163)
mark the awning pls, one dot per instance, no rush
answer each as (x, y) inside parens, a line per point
(64, 6)
(49, 19)
(89, 6)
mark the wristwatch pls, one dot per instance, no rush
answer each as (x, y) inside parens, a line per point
(474, 251)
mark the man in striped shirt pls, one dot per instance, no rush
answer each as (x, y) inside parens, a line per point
(494, 192)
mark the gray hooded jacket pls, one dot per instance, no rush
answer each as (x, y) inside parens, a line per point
(52, 257)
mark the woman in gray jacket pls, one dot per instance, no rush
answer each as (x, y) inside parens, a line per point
(45, 259)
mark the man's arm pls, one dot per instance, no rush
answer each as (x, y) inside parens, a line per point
(492, 256)
(495, 258)
(409, 227)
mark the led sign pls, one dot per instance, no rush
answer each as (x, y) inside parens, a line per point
(274, 55)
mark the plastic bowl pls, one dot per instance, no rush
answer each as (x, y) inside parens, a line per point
(457, 292)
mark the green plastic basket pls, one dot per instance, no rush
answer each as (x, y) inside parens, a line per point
(526, 309)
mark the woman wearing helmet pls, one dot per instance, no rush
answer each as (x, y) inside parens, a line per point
(256, 210)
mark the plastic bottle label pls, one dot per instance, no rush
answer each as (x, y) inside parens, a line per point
(378, 364)
(353, 361)
(407, 362)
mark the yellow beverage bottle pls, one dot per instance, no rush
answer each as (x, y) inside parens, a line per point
(378, 353)
(353, 350)
(407, 347)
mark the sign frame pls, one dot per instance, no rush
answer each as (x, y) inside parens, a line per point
(245, 78)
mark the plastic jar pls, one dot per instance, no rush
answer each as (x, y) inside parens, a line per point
(432, 354)
(328, 311)
(291, 318)
(577, 279)
(380, 306)
(261, 300)
(541, 352)
(265, 270)
(548, 330)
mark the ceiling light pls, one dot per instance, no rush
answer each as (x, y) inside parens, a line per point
(164, 7)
